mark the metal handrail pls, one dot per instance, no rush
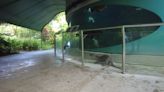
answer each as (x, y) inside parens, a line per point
(126, 26)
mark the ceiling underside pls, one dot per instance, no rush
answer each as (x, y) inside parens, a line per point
(33, 14)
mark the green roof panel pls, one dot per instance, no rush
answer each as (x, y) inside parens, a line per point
(33, 14)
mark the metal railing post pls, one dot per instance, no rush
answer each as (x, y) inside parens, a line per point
(55, 45)
(123, 49)
(41, 42)
(63, 59)
(82, 47)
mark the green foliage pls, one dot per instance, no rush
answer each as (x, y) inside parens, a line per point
(15, 44)
(58, 23)
(26, 39)
(4, 46)
(28, 44)
(47, 46)
(61, 20)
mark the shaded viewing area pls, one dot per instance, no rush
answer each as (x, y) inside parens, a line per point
(119, 33)
(81, 46)
(111, 32)
(125, 46)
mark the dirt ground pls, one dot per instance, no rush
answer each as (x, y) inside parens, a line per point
(53, 76)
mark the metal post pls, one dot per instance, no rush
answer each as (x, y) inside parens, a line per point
(41, 39)
(63, 60)
(55, 45)
(123, 49)
(82, 47)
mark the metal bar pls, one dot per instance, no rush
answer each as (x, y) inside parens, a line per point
(63, 60)
(101, 53)
(123, 49)
(101, 29)
(41, 39)
(82, 47)
(126, 26)
(144, 25)
(55, 45)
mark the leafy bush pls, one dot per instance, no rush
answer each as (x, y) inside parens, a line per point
(28, 44)
(5, 47)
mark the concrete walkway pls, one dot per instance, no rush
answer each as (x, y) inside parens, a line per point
(40, 72)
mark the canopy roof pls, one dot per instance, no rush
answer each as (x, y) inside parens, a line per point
(33, 14)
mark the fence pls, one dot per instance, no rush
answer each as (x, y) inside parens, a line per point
(127, 44)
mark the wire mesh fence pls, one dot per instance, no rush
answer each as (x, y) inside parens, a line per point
(145, 48)
(103, 46)
(146, 44)
(72, 45)
(126, 47)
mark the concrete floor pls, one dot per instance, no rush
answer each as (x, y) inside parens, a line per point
(40, 72)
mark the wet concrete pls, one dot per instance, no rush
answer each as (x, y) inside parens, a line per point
(40, 71)
(25, 61)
